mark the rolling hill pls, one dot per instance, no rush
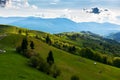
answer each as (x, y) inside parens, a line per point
(13, 66)
(58, 25)
(114, 36)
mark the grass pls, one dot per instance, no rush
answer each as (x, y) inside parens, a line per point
(13, 66)
(75, 65)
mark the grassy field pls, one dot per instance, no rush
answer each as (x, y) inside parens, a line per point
(13, 66)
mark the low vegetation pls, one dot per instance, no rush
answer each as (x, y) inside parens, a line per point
(48, 59)
(46, 66)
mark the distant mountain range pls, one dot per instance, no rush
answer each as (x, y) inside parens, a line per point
(114, 36)
(58, 25)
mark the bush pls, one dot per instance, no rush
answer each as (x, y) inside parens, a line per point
(35, 61)
(54, 71)
(116, 62)
(18, 49)
(29, 53)
(39, 63)
(44, 67)
(74, 77)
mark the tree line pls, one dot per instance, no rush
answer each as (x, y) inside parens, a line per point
(84, 52)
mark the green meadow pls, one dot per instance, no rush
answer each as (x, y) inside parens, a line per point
(14, 66)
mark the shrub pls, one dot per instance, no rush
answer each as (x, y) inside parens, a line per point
(116, 62)
(44, 67)
(39, 63)
(18, 49)
(74, 77)
(28, 53)
(35, 61)
(54, 71)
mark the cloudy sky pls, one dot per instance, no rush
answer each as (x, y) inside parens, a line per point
(76, 10)
(75, 4)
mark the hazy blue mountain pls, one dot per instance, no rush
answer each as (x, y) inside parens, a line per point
(58, 25)
(114, 36)
(99, 28)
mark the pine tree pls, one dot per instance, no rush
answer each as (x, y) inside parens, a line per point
(50, 59)
(32, 45)
(24, 44)
(48, 40)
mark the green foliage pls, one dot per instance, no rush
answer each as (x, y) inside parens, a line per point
(39, 63)
(50, 59)
(18, 49)
(74, 77)
(72, 49)
(32, 45)
(44, 67)
(69, 64)
(28, 53)
(116, 62)
(54, 71)
(20, 32)
(92, 41)
(48, 40)
(14, 67)
(24, 44)
(88, 53)
(34, 61)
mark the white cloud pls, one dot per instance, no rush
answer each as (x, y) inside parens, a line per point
(76, 14)
(54, 2)
(17, 4)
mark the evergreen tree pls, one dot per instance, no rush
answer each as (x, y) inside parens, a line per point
(48, 40)
(20, 31)
(74, 77)
(32, 45)
(24, 44)
(50, 59)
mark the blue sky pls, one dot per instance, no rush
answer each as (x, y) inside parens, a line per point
(75, 3)
(71, 9)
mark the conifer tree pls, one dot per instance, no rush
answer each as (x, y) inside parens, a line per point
(24, 44)
(48, 40)
(32, 45)
(50, 59)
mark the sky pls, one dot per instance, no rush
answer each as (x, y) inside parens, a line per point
(76, 10)
(76, 4)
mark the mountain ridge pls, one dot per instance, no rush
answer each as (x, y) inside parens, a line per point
(58, 25)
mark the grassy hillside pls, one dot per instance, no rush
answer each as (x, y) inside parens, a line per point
(92, 41)
(13, 66)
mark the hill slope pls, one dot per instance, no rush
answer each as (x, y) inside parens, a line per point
(93, 41)
(114, 36)
(14, 66)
